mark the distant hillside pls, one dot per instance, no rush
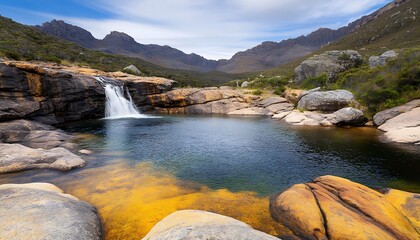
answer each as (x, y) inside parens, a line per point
(19, 41)
(262, 57)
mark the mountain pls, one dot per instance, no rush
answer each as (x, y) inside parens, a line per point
(265, 56)
(123, 44)
(21, 42)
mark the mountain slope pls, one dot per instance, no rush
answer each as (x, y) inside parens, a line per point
(28, 43)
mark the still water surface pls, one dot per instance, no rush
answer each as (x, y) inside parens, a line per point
(144, 169)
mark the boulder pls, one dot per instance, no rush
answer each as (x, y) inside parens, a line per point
(244, 84)
(383, 116)
(330, 63)
(375, 61)
(404, 128)
(292, 95)
(328, 101)
(35, 135)
(330, 207)
(348, 117)
(132, 70)
(251, 111)
(16, 157)
(194, 224)
(43, 211)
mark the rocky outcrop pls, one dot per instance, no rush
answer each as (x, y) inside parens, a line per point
(43, 211)
(375, 61)
(383, 116)
(132, 70)
(34, 135)
(330, 63)
(55, 94)
(343, 117)
(328, 101)
(16, 157)
(404, 128)
(193, 224)
(335, 208)
(200, 101)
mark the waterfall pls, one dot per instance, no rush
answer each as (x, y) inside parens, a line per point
(117, 105)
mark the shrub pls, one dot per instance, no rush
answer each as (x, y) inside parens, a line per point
(313, 82)
(257, 92)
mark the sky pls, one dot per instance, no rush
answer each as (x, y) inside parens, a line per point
(215, 29)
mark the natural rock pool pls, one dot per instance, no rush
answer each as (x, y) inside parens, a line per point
(144, 169)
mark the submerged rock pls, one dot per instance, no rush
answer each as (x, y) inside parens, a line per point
(43, 211)
(335, 208)
(328, 101)
(16, 157)
(194, 224)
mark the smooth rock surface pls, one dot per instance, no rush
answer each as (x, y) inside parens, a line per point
(16, 157)
(42, 211)
(132, 69)
(383, 116)
(251, 111)
(404, 128)
(375, 61)
(328, 101)
(330, 207)
(35, 135)
(330, 63)
(348, 117)
(194, 224)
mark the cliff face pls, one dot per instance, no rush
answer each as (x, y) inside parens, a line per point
(55, 94)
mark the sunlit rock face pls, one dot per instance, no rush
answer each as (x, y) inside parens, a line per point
(43, 211)
(335, 208)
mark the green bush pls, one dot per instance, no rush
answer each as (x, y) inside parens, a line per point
(313, 82)
(257, 92)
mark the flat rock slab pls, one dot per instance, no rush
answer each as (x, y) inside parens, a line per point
(331, 207)
(34, 134)
(43, 211)
(383, 116)
(194, 224)
(16, 157)
(257, 111)
(404, 128)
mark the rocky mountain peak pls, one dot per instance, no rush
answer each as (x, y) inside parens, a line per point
(119, 36)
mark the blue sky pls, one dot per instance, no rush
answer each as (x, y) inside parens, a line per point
(212, 28)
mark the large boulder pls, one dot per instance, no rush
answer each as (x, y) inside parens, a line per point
(348, 117)
(404, 128)
(16, 157)
(35, 135)
(335, 208)
(330, 63)
(375, 61)
(43, 211)
(383, 116)
(328, 101)
(194, 224)
(132, 70)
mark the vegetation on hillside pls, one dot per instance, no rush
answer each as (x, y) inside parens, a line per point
(22, 42)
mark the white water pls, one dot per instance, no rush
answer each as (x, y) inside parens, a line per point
(117, 106)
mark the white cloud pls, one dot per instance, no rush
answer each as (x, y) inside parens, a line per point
(219, 28)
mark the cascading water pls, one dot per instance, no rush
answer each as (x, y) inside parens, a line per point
(117, 105)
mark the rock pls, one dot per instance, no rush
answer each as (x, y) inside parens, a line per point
(85, 152)
(16, 157)
(132, 70)
(271, 100)
(199, 101)
(328, 101)
(43, 211)
(381, 117)
(35, 135)
(292, 95)
(281, 115)
(251, 111)
(330, 63)
(194, 224)
(226, 88)
(280, 107)
(348, 117)
(304, 93)
(375, 61)
(404, 128)
(335, 208)
(298, 118)
(245, 84)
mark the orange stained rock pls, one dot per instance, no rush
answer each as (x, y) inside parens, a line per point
(131, 200)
